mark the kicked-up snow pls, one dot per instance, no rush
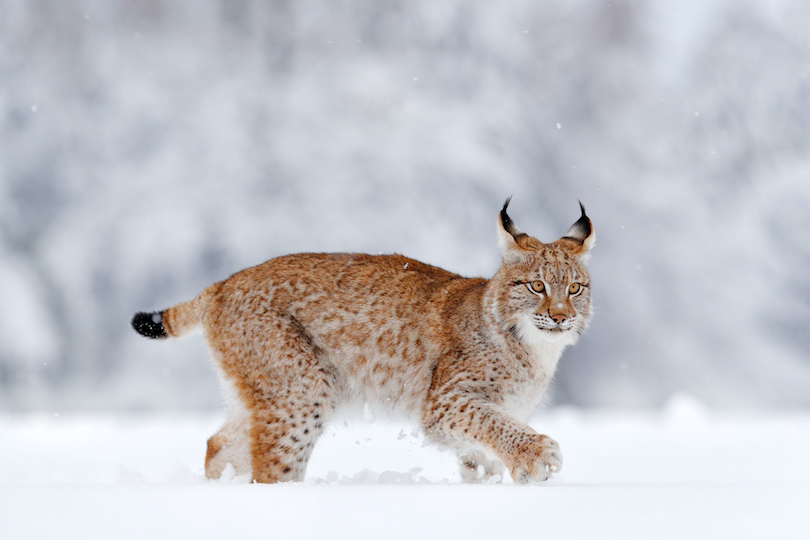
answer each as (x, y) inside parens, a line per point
(683, 473)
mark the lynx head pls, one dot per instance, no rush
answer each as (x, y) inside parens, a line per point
(543, 290)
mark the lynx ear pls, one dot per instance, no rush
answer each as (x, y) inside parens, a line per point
(582, 233)
(510, 237)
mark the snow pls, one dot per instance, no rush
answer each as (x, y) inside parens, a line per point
(683, 472)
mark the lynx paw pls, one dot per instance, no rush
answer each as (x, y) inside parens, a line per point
(537, 460)
(476, 468)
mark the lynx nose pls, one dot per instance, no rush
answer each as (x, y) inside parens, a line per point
(558, 318)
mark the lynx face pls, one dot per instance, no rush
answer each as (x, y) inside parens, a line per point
(553, 297)
(545, 287)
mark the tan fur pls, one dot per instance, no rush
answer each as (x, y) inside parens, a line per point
(470, 358)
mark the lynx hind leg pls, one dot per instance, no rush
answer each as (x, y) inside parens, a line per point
(477, 468)
(231, 444)
(282, 440)
(288, 389)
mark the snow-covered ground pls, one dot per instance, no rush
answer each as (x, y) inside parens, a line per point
(684, 472)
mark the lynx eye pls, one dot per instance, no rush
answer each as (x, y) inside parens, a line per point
(537, 287)
(574, 289)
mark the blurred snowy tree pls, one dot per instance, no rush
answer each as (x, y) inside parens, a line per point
(152, 147)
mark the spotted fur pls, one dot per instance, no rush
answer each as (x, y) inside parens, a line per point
(469, 358)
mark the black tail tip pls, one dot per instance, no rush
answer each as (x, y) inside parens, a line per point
(150, 325)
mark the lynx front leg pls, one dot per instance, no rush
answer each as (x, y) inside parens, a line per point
(528, 455)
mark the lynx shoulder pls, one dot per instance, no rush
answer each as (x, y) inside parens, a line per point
(468, 358)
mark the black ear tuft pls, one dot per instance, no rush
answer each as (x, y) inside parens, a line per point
(150, 325)
(509, 225)
(582, 229)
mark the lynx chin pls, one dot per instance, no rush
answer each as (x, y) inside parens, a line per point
(468, 358)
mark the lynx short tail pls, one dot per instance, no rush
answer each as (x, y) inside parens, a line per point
(150, 325)
(176, 321)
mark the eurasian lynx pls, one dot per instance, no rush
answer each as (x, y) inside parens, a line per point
(470, 358)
